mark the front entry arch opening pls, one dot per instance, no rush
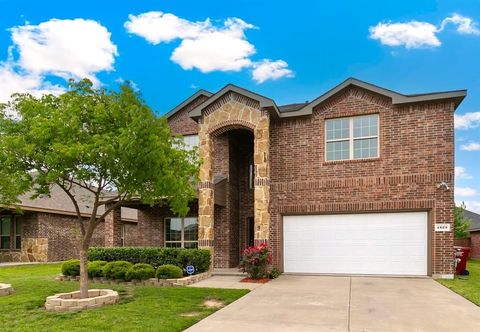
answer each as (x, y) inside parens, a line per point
(233, 222)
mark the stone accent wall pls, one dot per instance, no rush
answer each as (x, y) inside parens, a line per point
(233, 111)
(416, 153)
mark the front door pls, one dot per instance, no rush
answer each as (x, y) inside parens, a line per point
(250, 231)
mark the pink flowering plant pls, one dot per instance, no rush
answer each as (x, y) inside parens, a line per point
(256, 261)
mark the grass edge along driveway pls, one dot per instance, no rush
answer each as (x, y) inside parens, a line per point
(466, 286)
(141, 308)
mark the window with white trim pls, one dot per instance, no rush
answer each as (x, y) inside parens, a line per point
(181, 232)
(352, 138)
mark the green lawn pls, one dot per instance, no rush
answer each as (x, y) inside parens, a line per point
(467, 286)
(140, 309)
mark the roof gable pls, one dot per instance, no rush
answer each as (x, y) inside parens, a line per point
(187, 101)
(264, 101)
(474, 219)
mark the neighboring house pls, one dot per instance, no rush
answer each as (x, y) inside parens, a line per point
(353, 182)
(474, 229)
(45, 229)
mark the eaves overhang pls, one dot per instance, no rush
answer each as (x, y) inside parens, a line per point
(187, 101)
(397, 98)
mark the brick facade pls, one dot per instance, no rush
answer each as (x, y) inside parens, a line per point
(49, 237)
(475, 245)
(416, 153)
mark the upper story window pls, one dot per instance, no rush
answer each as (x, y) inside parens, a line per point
(352, 138)
(190, 141)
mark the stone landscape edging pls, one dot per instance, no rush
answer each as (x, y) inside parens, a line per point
(185, 281)
(5, 289)
(72, 302)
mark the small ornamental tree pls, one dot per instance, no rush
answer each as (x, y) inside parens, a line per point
(106, 142)
(460, 223)
(256, 261)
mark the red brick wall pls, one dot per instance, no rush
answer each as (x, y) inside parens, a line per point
(181, 124)
(61, 232)
(416, 153)
(151, 227)
(475, 245)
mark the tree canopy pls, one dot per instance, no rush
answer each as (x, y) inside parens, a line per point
(107, 142)
(98, 139)
(461, 223)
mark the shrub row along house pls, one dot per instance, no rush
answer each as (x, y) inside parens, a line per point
(359, 181)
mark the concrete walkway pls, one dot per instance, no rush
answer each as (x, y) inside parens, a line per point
(321, 303)
(226, 281)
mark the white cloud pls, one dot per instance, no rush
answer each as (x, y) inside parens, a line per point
(465, 25)
(270, 70)
(461, 173)
(203, 45)
(417, 34)
(465, 191)
(473, 146)
(158, 27)
(67, 48)
(412, 34)
(224, 49)
(13, 80)
(467, 121)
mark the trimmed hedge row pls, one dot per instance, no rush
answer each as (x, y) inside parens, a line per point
(122, 270)
(156, 256)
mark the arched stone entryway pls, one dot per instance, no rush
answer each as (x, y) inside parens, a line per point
(234, 111)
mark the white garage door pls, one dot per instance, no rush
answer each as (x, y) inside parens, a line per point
(374, 243)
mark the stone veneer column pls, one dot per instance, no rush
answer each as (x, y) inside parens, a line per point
(262, 178)
(113, 228)
(205, 193)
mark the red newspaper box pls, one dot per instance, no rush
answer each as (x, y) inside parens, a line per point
(461, 256)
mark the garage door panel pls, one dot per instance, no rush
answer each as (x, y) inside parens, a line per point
(386, 243)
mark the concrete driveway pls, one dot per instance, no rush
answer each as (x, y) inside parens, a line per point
(322, 303)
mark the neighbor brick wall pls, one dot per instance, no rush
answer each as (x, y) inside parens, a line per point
(416, 153)
(475, 245)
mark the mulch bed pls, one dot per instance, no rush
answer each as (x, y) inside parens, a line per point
(256, 281)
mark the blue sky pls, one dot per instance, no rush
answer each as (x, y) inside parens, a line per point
(289, 52)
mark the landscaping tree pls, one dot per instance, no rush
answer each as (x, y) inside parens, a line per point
(460, 223)
(106, 142)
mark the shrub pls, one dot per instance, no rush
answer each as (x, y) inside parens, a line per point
(140, 271)
(71, 267)
(116, 270)
(200, 258)
(169, 272)
(274, 273)
(95, 269)
(255, 261)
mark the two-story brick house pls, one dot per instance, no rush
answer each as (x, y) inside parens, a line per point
(354, 182)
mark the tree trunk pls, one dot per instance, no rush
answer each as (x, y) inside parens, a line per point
(83, 273)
